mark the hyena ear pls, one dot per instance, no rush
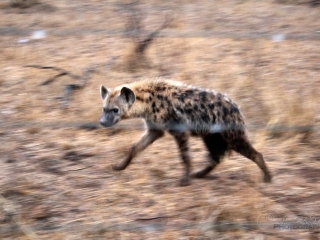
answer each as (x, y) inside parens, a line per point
(128, 95)
(104, 92)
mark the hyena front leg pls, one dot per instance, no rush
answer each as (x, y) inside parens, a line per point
(148, 138)
(182, 141)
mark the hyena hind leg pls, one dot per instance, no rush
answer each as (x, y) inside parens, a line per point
(244, 147)
(217, 147)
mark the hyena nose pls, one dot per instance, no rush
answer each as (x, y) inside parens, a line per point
(103, 123)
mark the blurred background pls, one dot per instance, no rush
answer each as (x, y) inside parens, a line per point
(56, 181)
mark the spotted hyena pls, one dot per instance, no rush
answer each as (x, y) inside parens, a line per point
(181, 110)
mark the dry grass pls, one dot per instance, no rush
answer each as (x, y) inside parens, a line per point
(56, 181)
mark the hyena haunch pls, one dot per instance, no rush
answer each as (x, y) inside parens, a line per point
(182, 110)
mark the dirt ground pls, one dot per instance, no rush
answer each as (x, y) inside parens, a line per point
(55, 164)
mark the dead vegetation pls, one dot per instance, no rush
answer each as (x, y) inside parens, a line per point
(136, 59)
(56, 180)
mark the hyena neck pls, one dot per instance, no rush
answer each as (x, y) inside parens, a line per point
(137, 110)
(147, 94)
(140, 107)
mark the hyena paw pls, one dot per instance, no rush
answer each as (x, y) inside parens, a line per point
(118, 167)
(267, 178)
(185, 181)
(198, 175)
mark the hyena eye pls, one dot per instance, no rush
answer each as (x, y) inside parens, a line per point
(115, 110)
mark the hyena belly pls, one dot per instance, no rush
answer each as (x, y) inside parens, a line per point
(180, 110)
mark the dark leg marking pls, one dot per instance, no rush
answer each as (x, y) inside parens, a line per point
(182, 141)
(217, 148)
(243, 147)
(143, 143)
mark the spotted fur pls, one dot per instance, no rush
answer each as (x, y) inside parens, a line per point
(182, 110)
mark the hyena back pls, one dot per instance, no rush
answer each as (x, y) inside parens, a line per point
(181, 110)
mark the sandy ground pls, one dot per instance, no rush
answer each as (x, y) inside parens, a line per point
(56, 179)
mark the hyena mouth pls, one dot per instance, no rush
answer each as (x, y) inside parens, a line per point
(103, 124)
(108, 124)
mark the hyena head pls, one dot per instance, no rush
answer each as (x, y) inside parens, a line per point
(115, 105)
